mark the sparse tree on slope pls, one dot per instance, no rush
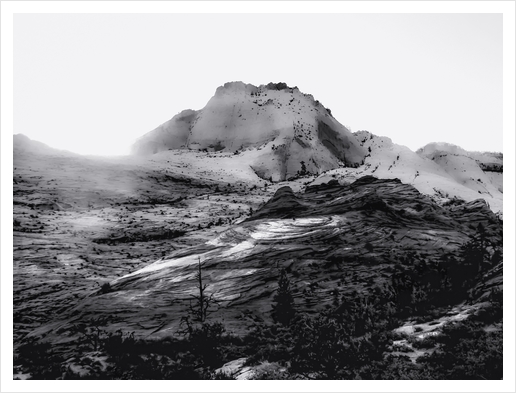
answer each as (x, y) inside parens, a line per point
(283, 310)
(200, 304)
(202, 301)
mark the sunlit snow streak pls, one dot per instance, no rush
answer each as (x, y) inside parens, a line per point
(234, 244)
(168, 263)
(236, 273)
(291, 229)
(238, 249)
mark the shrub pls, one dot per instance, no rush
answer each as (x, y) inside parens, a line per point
(106, 288)
(324, 346)
(40, 359)
(467, 352)
(283, 308)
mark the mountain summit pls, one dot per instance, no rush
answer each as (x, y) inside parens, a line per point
(282, 131)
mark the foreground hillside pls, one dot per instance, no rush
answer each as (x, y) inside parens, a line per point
(372, 269)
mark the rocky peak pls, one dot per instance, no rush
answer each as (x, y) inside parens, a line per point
(282, 132)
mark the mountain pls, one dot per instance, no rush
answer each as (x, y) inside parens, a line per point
(284, 131)
(280, 134)
(443, 171)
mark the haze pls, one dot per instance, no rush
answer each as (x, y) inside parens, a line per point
(93, 83)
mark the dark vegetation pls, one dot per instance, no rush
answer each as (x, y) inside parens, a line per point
(491, 167)
(303, 172)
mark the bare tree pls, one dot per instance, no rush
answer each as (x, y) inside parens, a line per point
(201, 304)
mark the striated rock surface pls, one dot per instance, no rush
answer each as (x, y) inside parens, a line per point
(331, 236)
(79, 222)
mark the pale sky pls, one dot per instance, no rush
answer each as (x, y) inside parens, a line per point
(93, 83)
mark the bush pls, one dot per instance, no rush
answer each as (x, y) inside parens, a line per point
(325, 346)
(283, 308)
(466, 352)
(40, 359)
(204, 341)
(268, 343)
(106, 288)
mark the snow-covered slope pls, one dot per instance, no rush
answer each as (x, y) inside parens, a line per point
(284, 131)
(479, 171)
(441, 170)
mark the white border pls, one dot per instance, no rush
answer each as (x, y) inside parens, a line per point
(225, 7)
(10, 8)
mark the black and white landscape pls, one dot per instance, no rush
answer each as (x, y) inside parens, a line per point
(258, 238)
(257, 196)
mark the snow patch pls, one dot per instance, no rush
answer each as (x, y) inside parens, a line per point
(239, 248)
(164, 264)
(291, 229)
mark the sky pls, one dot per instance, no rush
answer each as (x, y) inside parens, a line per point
(94, 83)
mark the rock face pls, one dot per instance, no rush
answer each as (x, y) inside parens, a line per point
(443, 171)
(331, 236)
(292, 132)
